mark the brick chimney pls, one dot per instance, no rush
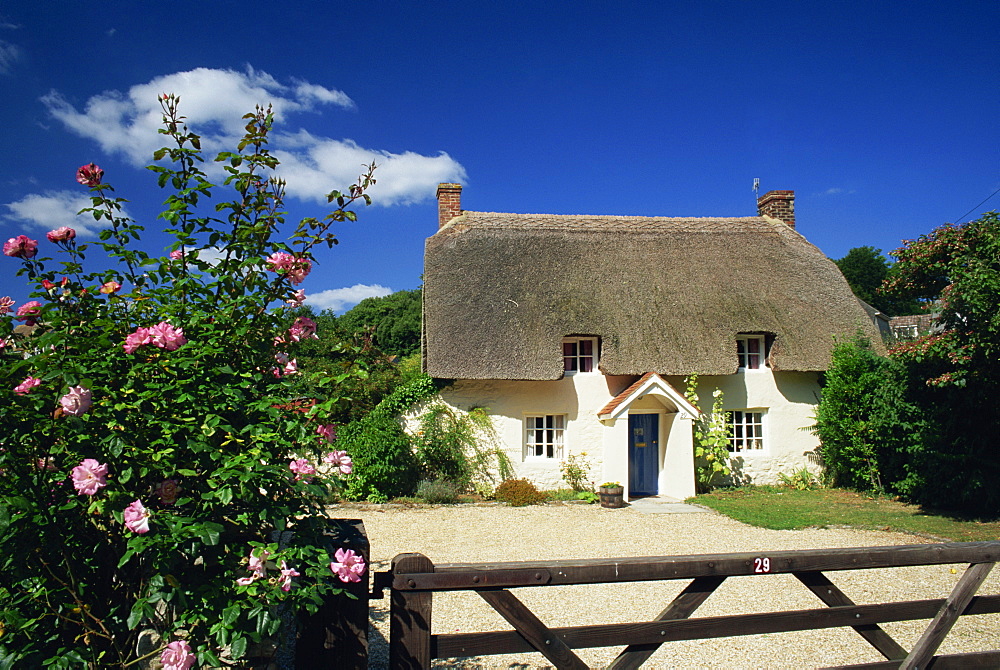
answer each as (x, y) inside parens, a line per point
(449, 197)
(778, 205)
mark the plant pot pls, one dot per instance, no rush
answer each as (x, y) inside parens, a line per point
(612, 496)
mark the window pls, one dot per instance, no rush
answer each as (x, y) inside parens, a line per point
(750, 349)
(579, 354)
(905, 332)
(746, 430)
(544, 436)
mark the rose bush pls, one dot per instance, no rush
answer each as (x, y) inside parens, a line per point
(147, 434)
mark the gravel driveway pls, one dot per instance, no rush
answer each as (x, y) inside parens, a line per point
(469, 533)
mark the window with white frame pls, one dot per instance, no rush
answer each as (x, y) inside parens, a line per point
(908, 332)
(579, 354)
(543, 436)
(750, 349)
(746, 430)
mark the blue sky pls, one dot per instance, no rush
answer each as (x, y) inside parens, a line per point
(881, 116)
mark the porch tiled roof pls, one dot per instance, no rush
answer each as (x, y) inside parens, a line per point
(620, 398)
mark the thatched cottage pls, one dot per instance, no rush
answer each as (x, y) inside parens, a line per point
(577, 333)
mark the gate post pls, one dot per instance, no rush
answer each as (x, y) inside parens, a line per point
(336, 636)
(410, 617)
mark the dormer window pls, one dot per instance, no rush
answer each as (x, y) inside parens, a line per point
(750, 350)
(579, 354)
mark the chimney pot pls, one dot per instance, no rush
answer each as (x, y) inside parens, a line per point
(778, 205)
(449, 197)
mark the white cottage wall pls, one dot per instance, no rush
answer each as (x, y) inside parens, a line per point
(578, 397)
(789, 399)
(677, 474)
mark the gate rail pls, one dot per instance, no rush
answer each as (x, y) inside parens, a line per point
(413, 579)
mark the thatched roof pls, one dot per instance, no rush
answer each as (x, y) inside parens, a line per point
(665, 295)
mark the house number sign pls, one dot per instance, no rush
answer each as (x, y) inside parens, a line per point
(761, 565)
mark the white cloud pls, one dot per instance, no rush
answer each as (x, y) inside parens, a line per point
(837, 191)
(53, 209)
(308, 91)
(340, 299)
(9, 54)
(314, 166)
(214, 102)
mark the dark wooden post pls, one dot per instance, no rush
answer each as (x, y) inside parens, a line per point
(336, 636)
(410, 617)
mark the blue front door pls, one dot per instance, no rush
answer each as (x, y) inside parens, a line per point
(643, 453)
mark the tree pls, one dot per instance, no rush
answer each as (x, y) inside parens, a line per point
(865, 268)
(924, 423)
(362, 373)
(958, 266)
(395, 319)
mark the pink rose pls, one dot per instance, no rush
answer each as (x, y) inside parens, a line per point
(341, 460)
(135, 340)
(29, 312)
(20, 247)
(176, 255)
(303, 328)
(110, 287)
(302, 468)
(61, 234)
(89, 175)
(257, 565)
(25, 387)
(168, 490)
(286, 576)
(177, 656)
(298, 273)
(77, 401)
(89, 476)
(297, 299)
(349, 566)
(166, 336)
(327, 432)
(6, 303)
(289, 366)
(290, 267)
(137, 518)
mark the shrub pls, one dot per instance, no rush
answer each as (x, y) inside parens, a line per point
(382, 451)
(803, 480)
(438, 492)
(456, 446)
(518, 493)
(576, 472)
(561, 494)
(154, 449)
(484, 490)
(866, 424)
(711, 439)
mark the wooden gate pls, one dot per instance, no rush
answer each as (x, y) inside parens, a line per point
(413, 580)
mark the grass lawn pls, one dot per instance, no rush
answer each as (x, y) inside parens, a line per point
(790, 509)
